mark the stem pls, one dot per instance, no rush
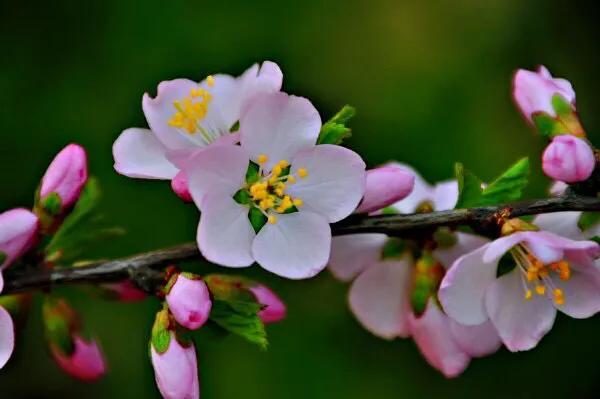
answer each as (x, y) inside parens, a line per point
(145, 268)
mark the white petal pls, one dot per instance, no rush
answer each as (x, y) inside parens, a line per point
(445, 195)
(217, 169)
(581, 293)
(465, 243)
(352, 253)
(379, 298)
(296, 246)
(476, 341)
(561, 223)
(520, 323)
(279, 125)
(138, 153)
(421, 192)
(7, 336)
(225, 234)
(335, 183)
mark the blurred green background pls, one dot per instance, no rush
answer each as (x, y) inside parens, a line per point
(431, 82)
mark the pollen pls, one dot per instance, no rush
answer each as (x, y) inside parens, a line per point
(191, 110)
(559, 297)
(528, 295)
(272, 219)
(302, 173)
(540, 289)
(262, 158)
(210, 81)
(298, 202)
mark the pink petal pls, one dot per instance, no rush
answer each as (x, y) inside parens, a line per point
(351, 254)
(497, 248)
(7, 336)
(335, 183)
(217, 170)
(255, 81)
(296, 246)
(465, 243)
(180, 186)
(385, 185)
(225, 234)
(176, 371)
(66, 175)
(568, 158)
(581, 293)
(521, 323)
(379, 298)
(445, 195)
(138, 153)
(561, 223)
(189, 302)
(463, 288)
(279, 125)
(275, 308)
(431, 332)
(86, 363)
(476, 341)
(18, 228)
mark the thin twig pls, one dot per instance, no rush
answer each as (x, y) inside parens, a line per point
(145, 269)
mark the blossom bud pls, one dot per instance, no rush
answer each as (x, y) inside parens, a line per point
(189, 300)
(385, 185)
(179, 184)
(175, 365)
(125, 291)
(274, 310)
(568, 159)
(18, 228)
(86, 363)
(65, 177)
(534, 91)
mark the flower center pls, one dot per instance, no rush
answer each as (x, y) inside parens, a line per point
(268, 193)
(191, 110)
(537, 276)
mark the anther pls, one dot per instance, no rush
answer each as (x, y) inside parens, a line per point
(540, 289)
(262, 158)
(272, 219)
(302, 173)
(210, 81)
(528, 295)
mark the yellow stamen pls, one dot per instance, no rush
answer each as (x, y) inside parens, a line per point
(540, 289)
(528, 295)
(559, 297)
(210, 81)
(262, 158)
(298, 202)
(272, 219)
(283, 163)
(291, 179)
(302, 173)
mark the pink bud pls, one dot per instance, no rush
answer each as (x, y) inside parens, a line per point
(66, 175)
(18, 228)
(385, 185)
(176, 371)
(533, 91)
(126, 291)
(189, 302)
(568, 159)
(275, 308)
(179, 184)
(85, 363)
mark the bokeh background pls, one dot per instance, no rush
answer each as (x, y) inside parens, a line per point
(431, 82)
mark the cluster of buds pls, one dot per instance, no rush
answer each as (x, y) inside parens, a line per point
(549, 104)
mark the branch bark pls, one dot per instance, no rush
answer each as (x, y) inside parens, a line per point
(146, 269)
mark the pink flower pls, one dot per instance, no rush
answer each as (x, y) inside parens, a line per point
(179, 184)
(66, 175)
(18, 228)
(186, 116)
(533, 92)
(568, 159)
(126, 291)
(85, 363)
(274, 310)
(324, 185)
(385, 185)
(380, 296)
(176, 370)
(189, 301)
(7, 335)
(551, 273)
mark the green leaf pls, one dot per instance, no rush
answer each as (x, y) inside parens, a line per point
(506, 188)
(252, 173)
(3, 257)
(242, 197)
(596, 239)
(561, 106)
(586, 220)
(393, 248)
(52, 203)
(547, 125)
(335, 131)
(59, 321)
(82, 228)
(240, 318)
(257, 218)
(444, 237)
(161, 337)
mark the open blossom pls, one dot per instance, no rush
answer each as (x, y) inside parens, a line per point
(186, 116)
(86, 363)
(533, 91)
(66, 175)
(568, 159)
(380, 296)
(176, 370)
(189, 301)
(551, 272)
(385, 185)
(274, 310)
(292, 190)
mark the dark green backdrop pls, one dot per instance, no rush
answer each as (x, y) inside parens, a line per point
(430, 80)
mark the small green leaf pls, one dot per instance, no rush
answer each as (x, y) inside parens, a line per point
(240, 318)
(235, 127)
(242, 197)
(52, 203)
(444, 237)
(161, 337)
(3, 257)
(389, 211)
(59, 321)
(335, 131)
(586, 220)
(252, 173)
(257, 218)
(561, 106)
(506, 188)
(393, 248)
(547, 125)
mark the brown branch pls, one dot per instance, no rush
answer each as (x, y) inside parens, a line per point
(145, 269)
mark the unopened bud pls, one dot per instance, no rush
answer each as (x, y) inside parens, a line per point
(274, 310)
(179, 184)
(64, 178)
(385, 186)
(189, 300)
(568, 159)
(85, 363)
